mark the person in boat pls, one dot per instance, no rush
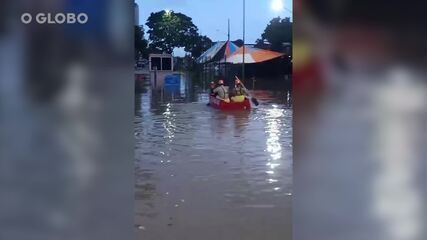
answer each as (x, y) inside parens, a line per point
(222, 91)
(239, 92)
(212, 86)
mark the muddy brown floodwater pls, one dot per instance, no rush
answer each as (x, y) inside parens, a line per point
(206, 174)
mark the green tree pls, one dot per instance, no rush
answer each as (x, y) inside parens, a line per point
(141, 43)
(197, 45)
(169, 30)
(277, 32)
(238, 42)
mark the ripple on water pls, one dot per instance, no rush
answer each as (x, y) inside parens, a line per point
(218, 162)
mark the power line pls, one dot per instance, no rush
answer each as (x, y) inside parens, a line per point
(287, 9)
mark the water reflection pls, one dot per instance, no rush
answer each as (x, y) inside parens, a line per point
(200, 171)
(169, 124)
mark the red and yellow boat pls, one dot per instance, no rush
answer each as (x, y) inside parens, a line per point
(222, 105)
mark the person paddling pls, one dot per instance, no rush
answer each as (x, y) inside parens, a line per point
(222, 91)
(253, 99)
(240, 92)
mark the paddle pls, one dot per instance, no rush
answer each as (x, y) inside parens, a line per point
(253, 99)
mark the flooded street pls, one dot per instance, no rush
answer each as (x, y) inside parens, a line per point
(206, 174)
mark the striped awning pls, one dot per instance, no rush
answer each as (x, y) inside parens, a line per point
(211, 52)
(218, 51)
(230, 49)
(252, 55)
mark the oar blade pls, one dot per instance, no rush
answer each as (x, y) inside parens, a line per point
(255, 101)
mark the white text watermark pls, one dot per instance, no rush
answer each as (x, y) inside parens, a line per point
(57, 18)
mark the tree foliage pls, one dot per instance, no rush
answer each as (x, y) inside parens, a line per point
(238, 42)
(169, 30)
(197, 45)
(141, 44)
(277, 32)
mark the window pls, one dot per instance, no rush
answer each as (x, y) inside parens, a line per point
(155, 63)
(167, 64)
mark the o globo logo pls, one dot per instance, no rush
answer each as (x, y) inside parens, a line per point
(58, 18)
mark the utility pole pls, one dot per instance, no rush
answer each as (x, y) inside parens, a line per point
(227, 45)
(228, 35)
(244, 48)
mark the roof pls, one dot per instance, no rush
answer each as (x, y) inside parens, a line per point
(211, 52)
(252, 55)
(217, 51)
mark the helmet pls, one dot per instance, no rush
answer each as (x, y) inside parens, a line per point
(212, 83)
(221, 82)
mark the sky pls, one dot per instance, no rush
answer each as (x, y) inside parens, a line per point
(210, 16)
